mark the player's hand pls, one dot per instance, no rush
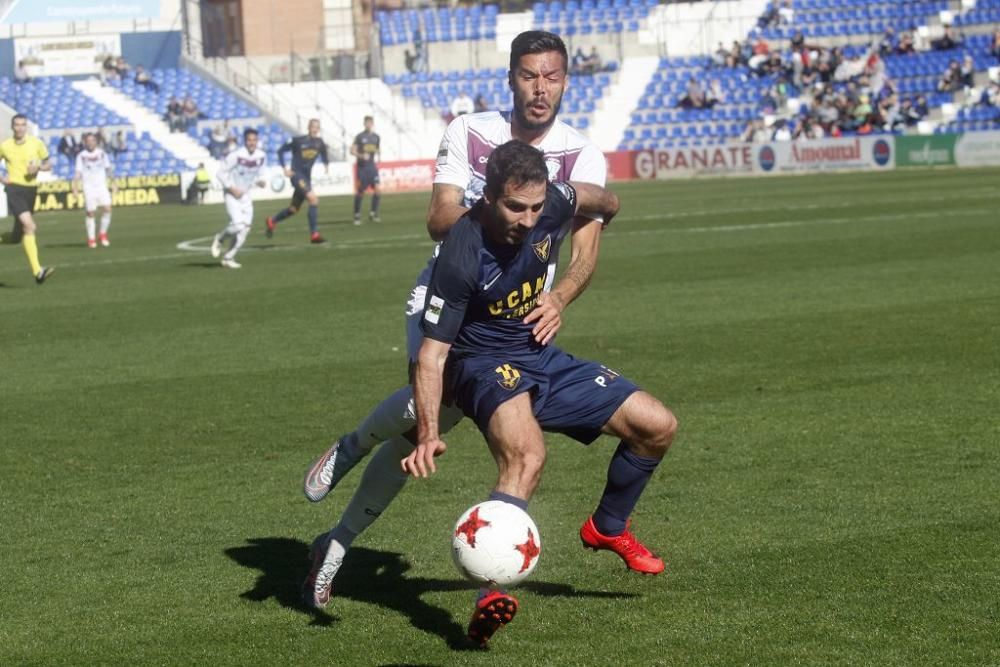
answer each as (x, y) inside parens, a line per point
(547, 316)
(236, 192)
(262, 183)
(32, 168)
(288, 172)
(420, 462)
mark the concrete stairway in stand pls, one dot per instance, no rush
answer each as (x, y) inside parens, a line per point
(143, 119)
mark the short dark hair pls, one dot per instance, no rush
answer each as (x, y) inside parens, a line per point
(514, 162)
(247, 132)
(16, 116)
(536, 41)
(369, 118)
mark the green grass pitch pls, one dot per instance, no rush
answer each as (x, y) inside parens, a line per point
(830, 344)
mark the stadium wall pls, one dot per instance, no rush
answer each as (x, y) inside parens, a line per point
(152, 50)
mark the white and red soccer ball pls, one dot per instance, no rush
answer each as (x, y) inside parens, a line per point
(495, 543)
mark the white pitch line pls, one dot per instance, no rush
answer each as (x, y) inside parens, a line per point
(407, 240)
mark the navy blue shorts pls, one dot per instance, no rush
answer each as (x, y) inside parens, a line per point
(302, 185)
(572, 396)
(367, 176)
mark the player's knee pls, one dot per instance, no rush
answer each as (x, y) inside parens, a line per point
(293, 209)
(657, 431)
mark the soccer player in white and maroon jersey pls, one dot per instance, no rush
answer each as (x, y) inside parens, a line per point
(242, 170)
(93, 169)
(538, 78)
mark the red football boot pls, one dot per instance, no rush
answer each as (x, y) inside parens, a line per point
(269, 231)
(631, 550)
(492, 613)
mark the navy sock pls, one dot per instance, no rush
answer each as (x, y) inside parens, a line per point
(627, 477)
(357, 204)
(282, 214)
(375, 200)
(513, 500)
(313, 216)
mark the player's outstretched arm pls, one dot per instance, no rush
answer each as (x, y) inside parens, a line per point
(427, 392)
(446, 207)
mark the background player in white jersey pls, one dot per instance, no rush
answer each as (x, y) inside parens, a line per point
(242, 170)
(93, 169)
(538, 78)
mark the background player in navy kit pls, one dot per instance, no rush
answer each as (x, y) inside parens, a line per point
(304, 149)
(489, 274)
(366, 149)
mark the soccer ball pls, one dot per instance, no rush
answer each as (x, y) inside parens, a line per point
(495, 543)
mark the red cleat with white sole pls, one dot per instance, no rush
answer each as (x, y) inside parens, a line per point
(630, 549)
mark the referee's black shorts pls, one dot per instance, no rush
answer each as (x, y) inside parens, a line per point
(20, 199)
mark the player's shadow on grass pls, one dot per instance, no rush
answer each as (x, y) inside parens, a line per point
(367, 575)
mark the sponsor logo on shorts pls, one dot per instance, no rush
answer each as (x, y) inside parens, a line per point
(509, 378)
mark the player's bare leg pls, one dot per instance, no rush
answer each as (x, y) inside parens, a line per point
(313, 200)
(105, 226)
(91, 225)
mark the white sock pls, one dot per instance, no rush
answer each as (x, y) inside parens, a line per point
(383, 478)
(89, 222)
(239, 238)
(381, 482)
(105, 222)
(393, 417)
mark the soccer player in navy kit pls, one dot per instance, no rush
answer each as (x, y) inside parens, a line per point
(478, 351)
(366, 149)
(304, 149)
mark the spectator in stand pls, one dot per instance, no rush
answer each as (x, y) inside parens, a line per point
(714, 94)
(760, 53)
(828, 62)
(786, 12)
(121, 67)
(720, 57)
(21, 75)
(908, 115)
(462, 104)
(770, 17)
(593, 63)
(995, 45)
(101, 137)
(808, 129)
(190, 115)
(768, 101)
(142, 78)
(694, 98)
(118, 144)
(888, 112)
(828, 116)
(231, 145)
(755, 132)
(948, 41)
(579, 62)
(174, 115)
(967, 72)
(108, 70)
(921, 106)
(69, 146)
(218, 139)
(410, 61)
(887, 45)
(481, 103)
(951, 79)
(905, 47)
(780, 130)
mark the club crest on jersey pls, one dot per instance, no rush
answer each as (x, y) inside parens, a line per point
(509, 377)
(542, 248)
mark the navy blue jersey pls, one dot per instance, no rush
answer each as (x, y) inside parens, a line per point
(481, 291)
(304, 150)
(367, 145)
